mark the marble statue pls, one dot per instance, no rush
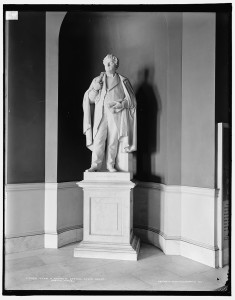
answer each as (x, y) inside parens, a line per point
(114, 116)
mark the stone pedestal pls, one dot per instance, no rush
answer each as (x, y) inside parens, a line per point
(108, 217)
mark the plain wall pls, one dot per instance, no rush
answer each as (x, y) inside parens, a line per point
(198, 100)
(174, 99)
(25, 71)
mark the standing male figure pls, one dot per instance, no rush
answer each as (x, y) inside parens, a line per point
(114, 116)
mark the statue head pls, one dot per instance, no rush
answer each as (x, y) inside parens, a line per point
(112, 58)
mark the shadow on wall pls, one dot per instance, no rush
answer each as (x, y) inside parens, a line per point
(148, 125)
(147, 208)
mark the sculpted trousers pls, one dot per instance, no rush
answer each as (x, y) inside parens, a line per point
(107, 130)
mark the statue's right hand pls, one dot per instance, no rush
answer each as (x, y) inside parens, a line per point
(97, 85)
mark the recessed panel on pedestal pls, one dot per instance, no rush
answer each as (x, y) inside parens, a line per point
(105, 216)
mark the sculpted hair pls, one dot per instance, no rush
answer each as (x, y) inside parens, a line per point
(114, 59)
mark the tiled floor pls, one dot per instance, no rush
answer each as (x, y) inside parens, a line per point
(57, 269)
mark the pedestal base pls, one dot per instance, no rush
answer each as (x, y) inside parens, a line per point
(109, 250)
(108, 217)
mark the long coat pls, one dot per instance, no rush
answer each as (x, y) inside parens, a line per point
(127, 123)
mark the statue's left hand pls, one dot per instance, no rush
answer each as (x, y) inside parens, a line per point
(117, 105)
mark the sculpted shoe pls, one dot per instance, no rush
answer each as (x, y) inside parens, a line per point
(111, 169)
(92, 169)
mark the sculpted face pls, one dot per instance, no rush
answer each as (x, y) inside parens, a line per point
(110, 66)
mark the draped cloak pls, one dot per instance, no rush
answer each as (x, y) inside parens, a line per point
(125, 119)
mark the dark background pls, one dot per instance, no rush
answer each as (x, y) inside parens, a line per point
(25, 71)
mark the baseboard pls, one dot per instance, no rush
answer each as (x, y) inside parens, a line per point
(63, 237)
(205, 254)
(34, 241)
(200, 254)
(180, 220)
(170, 246)
(225, 255)
(24, 243)
(70, 235)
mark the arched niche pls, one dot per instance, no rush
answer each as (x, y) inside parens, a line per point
(140, 42)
